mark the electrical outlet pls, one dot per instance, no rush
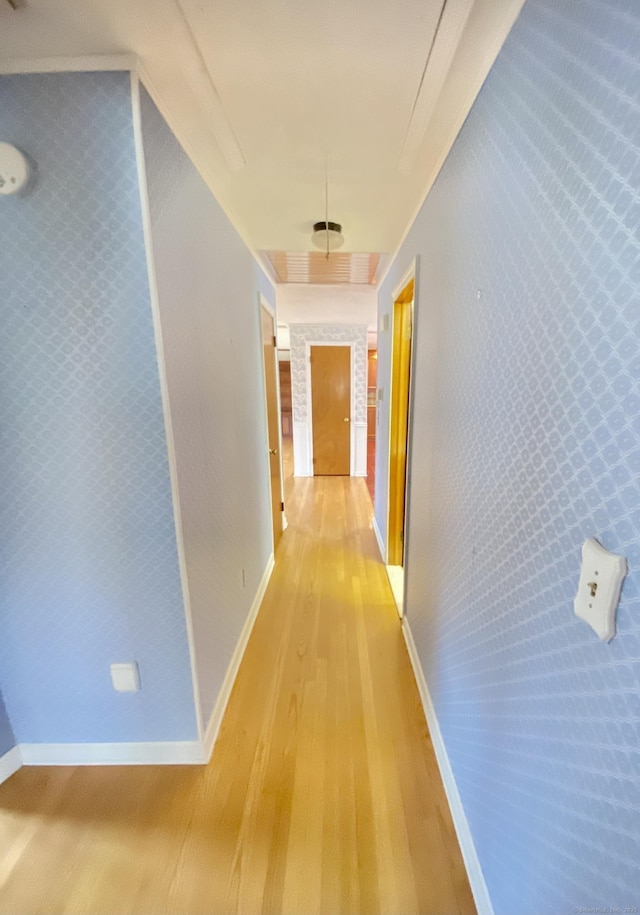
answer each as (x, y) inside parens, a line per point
(125, 677)
(601, 577)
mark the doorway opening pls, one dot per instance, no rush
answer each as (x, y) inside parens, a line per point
(274, 437)
(372, 420)
(331, 409)
(399, 437)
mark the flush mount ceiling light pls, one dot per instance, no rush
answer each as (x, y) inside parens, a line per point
(327, 235)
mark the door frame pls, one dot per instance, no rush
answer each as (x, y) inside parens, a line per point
(398, 574)
(352, 404)
(263, 303)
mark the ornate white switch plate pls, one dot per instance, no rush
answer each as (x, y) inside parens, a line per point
(601, 577)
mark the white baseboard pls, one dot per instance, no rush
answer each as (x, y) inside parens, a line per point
(302, 464)
(143, 753)
(395, 574)
(467, 847)
(381, 547)
(358, 449)
(213, 727)
(10, 762)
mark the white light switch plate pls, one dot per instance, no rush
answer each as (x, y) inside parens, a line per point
(125, 677)
(601, 577)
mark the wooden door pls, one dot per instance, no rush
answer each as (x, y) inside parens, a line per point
(400, 380)
(331, 409)
(273, 421)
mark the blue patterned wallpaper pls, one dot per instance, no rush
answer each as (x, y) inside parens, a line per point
(7, 739)
(526, 441)
(88, 564)
(208, 284)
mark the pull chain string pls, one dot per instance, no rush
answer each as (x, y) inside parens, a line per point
(326, 201)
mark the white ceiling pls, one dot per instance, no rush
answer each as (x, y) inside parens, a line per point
(266, 94)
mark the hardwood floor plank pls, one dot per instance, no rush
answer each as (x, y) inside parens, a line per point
(323, 795)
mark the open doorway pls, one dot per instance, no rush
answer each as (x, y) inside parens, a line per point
(274, 438)
(399, 435)
(372, 419)
(330, 372)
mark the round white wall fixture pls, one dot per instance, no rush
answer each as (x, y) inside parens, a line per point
(14, 170)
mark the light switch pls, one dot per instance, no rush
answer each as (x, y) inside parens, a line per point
(125, 677)
(601, 577)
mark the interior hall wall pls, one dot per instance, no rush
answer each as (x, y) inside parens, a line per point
(526, 441)
(89, 570)
(208, 286)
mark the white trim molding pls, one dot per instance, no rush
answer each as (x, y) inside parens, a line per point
(302, 466)
(10, 762)
(91, 63)
(381, 544)
(143, 753)
(467, 847)
(396, 574)
(359, 449)
(213, 727)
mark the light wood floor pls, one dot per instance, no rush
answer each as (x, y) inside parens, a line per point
(323, 794)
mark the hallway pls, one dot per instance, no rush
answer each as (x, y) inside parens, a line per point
(323, 794)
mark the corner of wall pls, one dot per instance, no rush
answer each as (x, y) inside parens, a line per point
(10, 762)
(166, 403)
(222, 700)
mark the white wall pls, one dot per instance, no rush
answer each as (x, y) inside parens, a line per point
(208, 287)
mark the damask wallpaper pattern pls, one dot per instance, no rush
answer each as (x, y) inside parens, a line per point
(89, 568)
(300, 334)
